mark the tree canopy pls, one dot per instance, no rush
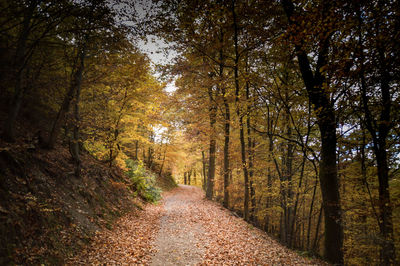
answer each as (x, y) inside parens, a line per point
(285, 111)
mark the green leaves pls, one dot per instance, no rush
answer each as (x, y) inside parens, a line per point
(143, 181)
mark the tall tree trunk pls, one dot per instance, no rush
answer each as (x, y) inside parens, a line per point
(326, 120)
(19, 66)
(289, 190)
(269, 174)
(379, 129)
(226, 154)
(286, 177)
(316, 237)
(204, 170)
(115, 131)
(239, 113)
(305, 144)
(311, 210)
(379, 137)
(386, 222)
(75, 145)
(211, 165)
(64, 108)
(227, 125)
(296, 203)
(245, 171)
(330, 191)
(250, 148)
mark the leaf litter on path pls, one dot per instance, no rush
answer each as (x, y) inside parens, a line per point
(186, 230)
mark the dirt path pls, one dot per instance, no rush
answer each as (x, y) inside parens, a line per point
(177, 242)
(198, 231)
(185, 229)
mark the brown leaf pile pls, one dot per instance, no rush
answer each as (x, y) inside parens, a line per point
(129, 243)
(229, 240)
(232, 241)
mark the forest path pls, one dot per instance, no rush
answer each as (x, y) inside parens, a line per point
(196, 231)
(178, 241)
(185, 229)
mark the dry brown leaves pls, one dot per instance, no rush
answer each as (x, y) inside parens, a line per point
(129, 243)
(222, 238)
(229, 240)
(232, 241)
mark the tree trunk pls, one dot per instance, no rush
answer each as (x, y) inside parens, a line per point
(245, 172)
(326, 120)
(379, 137)
(226, 150)
(316, 237)
(385, 215)
(204, 170)
(136, 149)
(211, 165)
(330, 192)
(240, 116)
(75, 145)
(19, 66)
(64, 108)
(250, 148)
(269, 177)
(379, 129)
(296, 203)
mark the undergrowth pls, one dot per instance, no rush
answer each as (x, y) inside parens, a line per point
(143, 180)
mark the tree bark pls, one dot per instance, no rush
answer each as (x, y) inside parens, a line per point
(64, 108)
(269, 172)
(227, 125)
(250, 148)
(239, 114)
(379, 139)
(19, 66)
(204, 170)
(211, 165)
(75, 145)
(326, 120)
(245, 170)
(379, 129)
(136, 149)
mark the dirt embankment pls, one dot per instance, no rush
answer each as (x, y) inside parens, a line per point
(47, 214)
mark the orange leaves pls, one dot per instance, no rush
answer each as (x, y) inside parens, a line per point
(127, 244)
(193, 231)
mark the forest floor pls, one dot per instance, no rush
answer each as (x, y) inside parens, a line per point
(186, 229)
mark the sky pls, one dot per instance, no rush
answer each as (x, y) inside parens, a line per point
(153, 48)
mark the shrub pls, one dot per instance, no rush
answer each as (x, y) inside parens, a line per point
(143, 180)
